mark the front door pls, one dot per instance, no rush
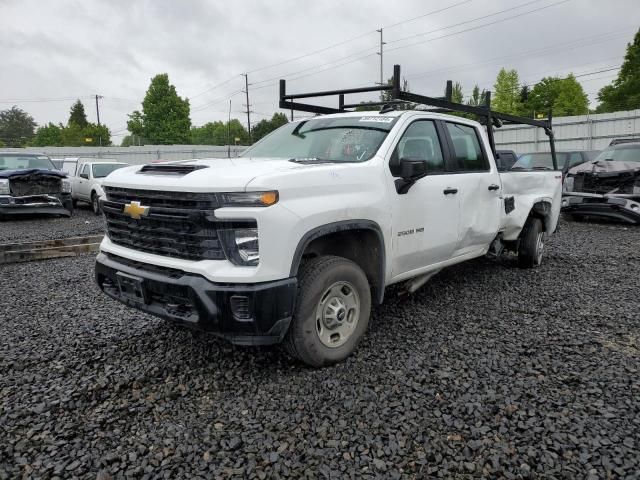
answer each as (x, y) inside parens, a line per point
(425, 219)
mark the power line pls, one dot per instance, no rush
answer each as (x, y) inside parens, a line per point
(477, 27)
(324, 49)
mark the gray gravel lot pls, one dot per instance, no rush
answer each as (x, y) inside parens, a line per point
(34, 228)
(488, 371)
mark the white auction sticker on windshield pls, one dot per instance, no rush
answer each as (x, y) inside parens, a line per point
(377, 119)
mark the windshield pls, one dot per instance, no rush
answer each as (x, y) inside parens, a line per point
(530, 161)
(20, 162)
(101, 170)
(343, 139)
(621, 154)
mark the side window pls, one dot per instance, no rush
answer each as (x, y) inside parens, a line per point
(466, 147)
(85, 169)
(420, 142)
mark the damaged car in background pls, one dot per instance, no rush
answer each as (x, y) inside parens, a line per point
(607, 187)
(31, 184)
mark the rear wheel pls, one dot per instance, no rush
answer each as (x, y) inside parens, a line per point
(531, 248)
(332, 311)
(95, 203)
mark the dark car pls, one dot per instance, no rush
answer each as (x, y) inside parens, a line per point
(607, 187)
(543, 161)
(30, 184)
(505, 159)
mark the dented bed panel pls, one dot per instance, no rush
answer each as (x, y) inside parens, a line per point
(522, 191)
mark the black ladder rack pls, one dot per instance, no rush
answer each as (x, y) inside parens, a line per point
(490, 118)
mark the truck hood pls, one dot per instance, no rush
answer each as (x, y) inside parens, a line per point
(209, 175)
(600, 166)
(31, 171)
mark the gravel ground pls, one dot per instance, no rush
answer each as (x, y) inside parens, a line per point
(34, 228)
(488, 371)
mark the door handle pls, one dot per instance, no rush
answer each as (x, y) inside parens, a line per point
(450, 191)
(494, 187)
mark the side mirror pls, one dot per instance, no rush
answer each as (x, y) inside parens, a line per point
(84, 175)
(412, 169)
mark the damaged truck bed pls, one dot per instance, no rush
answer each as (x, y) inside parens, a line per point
(608, 187)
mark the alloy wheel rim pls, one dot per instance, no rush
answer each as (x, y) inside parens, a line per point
(337, 314)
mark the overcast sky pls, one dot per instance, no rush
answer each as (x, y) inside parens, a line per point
(61, 50)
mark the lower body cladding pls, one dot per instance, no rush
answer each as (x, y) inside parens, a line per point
(53, 204)
(620, 208)
(244, 314)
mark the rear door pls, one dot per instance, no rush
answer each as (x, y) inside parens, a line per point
(425, 219)
(479, 188)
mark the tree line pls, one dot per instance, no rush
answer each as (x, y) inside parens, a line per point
(165, 116)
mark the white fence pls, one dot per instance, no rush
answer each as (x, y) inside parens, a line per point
(138, 155)
(585, 132)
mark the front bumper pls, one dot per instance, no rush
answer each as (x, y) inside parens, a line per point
(54, 204)
(244, 314)
(613, 207)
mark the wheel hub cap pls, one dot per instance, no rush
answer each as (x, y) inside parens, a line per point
(337, 314)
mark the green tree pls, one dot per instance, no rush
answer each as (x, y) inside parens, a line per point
(477, 97)
(164, 119)
(563, 96)
(506, 96)
(219, 133)
(77, 114)
(624, 92)
(456, 93)
(265, 127)
(49, 135)
(17, 127)
(99, 135)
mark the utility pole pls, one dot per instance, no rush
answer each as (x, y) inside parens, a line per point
(98, 108)
(229, 132)
(246, 91)
(382, 43)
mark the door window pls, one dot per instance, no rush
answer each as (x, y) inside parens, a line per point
(466, 148)
(85, 169)
(420, 142)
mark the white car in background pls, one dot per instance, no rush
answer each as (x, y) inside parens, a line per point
(86, 184)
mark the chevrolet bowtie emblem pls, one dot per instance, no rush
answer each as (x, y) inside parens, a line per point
(135, 210)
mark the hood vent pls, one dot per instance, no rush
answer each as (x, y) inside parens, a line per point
(170, 169)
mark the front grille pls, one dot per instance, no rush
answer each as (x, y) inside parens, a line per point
(35, 184)
(606, 182)
(177, 224)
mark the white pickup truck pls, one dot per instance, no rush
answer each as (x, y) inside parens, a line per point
(297, 239)
(86, 182)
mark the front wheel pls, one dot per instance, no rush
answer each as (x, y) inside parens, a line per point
(531, 246)
(95, 203)
(332, 311)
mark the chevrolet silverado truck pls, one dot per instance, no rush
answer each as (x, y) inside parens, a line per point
(297, 239)
(31, 184)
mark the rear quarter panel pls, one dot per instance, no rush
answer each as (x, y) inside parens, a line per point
(527, 189)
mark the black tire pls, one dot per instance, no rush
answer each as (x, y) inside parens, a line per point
(315, 278)
(95, 203)
(531, 245)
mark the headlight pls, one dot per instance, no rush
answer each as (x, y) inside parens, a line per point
(66, 186)
(4, 186)
(249, 199)
(241, 245)
(568, 184)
